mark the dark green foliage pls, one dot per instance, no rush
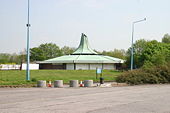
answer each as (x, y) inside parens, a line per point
(139, 46)
(154, 75)
(48, 51)
(157, 53)
(147, 53)
(44, 52)
(40, 53)
(137, 77)
(34, 80)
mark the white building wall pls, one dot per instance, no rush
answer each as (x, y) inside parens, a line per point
(69, 66)
(109, 66)
(90, 66)
(94, 66)
(9, 67)
(31, 66)
(82, 66)
(15, 67)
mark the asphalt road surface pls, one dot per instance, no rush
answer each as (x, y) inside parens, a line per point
(127, 99)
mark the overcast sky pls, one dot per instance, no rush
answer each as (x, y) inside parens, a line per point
(107, 23)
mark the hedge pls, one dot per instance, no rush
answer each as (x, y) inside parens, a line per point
(154, 75)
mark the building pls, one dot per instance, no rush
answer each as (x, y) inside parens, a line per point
(84, 58)
(18, 67)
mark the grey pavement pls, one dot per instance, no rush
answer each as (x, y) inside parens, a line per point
(127, 99)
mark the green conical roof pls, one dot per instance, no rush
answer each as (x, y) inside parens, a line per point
(83, 54)
(84, 47)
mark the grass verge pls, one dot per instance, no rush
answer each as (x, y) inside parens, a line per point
(16, 77)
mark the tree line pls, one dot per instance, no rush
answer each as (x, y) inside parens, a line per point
(146, 53)
(152, 60)
(40, 53)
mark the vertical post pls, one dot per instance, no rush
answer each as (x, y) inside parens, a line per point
(96, 73)
(132, 48)
(131, 67)
(28, 48)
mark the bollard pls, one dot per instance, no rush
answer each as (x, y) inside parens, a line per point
(88, 83)
(58, 83)
(101, 80)
(74, 83)
(41, 83)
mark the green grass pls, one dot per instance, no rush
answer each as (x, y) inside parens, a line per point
(16, 77)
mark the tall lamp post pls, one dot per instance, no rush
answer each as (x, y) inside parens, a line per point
(133, 27)
(28, 43)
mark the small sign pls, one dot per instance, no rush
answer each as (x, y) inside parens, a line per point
(98, 71)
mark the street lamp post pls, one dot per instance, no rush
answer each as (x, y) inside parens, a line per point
(133, 26)
(28, 48)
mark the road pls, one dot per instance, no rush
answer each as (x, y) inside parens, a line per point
(127, 99)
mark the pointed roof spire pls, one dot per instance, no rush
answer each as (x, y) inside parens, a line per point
(84, 47)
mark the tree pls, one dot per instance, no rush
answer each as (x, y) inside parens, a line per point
(44, 52)
(156, 52)
(67, 50)
(14, 58)
(149, 53)
(4, 58)
(116, 53)
(22, 56)
(166, 38)
(138, 47)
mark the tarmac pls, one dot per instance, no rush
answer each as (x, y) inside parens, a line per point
(124, 99)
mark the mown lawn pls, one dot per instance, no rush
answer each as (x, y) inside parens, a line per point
(16, 77)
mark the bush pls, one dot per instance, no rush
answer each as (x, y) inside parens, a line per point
(153, 75)
(34, 80)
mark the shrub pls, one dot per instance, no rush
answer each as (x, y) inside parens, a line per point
(155, 75)
(34, 80)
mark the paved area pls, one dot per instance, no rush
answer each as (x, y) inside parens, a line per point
(127, 99)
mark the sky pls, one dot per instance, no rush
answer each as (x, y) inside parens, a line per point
(107, 23)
